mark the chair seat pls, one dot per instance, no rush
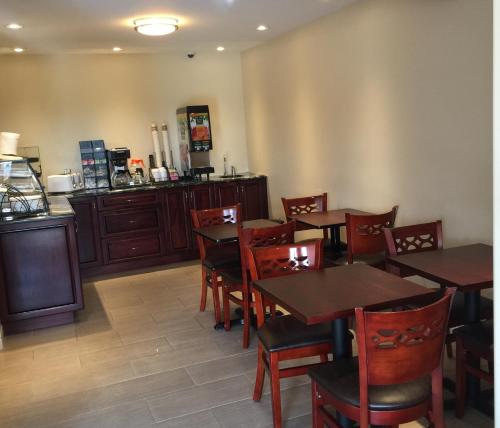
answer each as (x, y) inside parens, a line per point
(376, 259)
(341, 379)
(287, 332)
(222, 257)
(232, 275)
(457, 315)
(478, 335)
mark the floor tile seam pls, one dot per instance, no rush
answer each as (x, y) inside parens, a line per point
(197, 411)
(146, 396)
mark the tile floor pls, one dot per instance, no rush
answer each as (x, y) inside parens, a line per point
(141, 356)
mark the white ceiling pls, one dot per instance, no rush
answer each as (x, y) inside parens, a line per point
(95, 26)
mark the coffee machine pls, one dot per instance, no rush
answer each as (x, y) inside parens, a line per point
(118, 167)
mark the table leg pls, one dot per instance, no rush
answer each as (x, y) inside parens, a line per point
(336, 244)
(342, 349)
(472, 315)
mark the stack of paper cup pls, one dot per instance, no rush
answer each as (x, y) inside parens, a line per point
(8, 143)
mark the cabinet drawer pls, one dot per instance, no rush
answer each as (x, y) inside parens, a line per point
(117, 250)
(127, 200)
(130, 221)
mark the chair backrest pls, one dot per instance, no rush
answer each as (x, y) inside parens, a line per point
(399, 347)
(268, 262)
(281, 234)
(365, 232)
(308, 204)
(414, 239)
(213, 217)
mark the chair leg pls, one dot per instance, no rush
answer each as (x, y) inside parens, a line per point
(437, 399)
(203, 301)
(227, 308)
(259, 377)
(246, 318)
(315, 406)
(274, 374)
(460, 380)
(215, 294)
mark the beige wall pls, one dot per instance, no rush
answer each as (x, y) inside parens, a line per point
(384, 102)
(55, 101)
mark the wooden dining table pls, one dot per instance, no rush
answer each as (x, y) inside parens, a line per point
(332, 294)
(228, 232)
(331, 219)
(469, 268)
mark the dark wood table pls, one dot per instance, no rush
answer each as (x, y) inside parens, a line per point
(228, 232)
(331, 219)
(332, 294)
(469, 268)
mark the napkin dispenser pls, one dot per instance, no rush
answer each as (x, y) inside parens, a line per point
(64, 183)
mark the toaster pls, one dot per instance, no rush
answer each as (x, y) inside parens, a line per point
(64, 183)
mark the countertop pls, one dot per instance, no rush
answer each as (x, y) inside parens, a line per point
(59, 207)
(160, 185)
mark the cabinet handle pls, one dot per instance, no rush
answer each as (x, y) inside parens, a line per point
(129, 201)
(132, 221)
(134, 248)
(93, 206)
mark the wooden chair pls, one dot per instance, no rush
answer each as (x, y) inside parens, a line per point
(365, 238)
(398, 376)
(473, 340)
(428, 237)
(304, 205)
(215, 258)
(285, 338)
(238, 279)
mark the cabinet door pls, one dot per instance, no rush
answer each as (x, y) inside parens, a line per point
(178, 227)
(201, 197)
(227, 193)
(253, 195)
(89, 248)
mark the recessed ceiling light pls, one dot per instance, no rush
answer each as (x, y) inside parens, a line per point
(262, 28)
(18, 50)
(14, 26)
(220, 48)
(156, 26)
(117, 49)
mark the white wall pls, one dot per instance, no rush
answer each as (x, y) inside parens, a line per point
(384, 102)
(56, 101)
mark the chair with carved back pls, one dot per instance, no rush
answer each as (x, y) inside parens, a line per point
(365, 238)
(305, 205)
(397, 376)
(215, 258)
(238, 278)
(476, 341)
(429, 237)
(285, 338)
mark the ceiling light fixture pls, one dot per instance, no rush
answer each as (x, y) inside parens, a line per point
(117, 49)
(220, 48)
(156, 26)
(18, 50)
(14, 26)
(262, 28)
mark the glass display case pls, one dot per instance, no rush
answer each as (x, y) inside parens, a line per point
(21, 194)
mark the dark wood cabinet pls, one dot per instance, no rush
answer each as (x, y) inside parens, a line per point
(39, 276)
(253, 198)
(227, 193)
(87, 224)
(177, 225)
(140, 228)
(251, 193)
